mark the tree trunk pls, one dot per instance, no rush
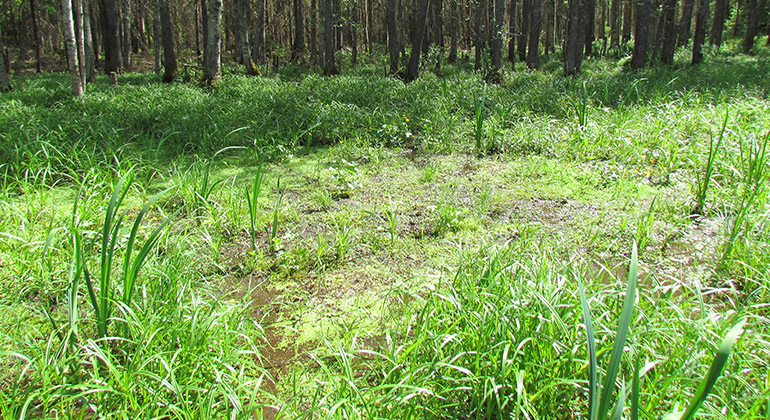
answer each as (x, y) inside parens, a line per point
(683, 38)
(628, 11)
(259, 51)
(669, 32)
(5, 83)
(369, 24)
(453, 29)
(212, 66)
(478, 31)
(77, 16)
(699, 38)
(68, 24)
(330, 67)
(588, 9)
(313, 32)
(244, 13)
(526, 9)
(512, 31)
(756, 9)
(614, 24)
(641, 34)
(298, 49)
(420, 26)
(496, 45)
(88, 45)
(156, 34)
(393, 47)
(573, 54)
(718, 24)
(111, 36)
(169, 49)
(36, 43)
(353, 33)
(204, 25)
(125, 42)
(533, 49)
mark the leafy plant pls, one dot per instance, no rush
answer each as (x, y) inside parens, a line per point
(276, 210)
(252, 198)
(703, 184)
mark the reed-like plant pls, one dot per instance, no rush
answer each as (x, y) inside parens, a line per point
(478, 132)
(274, 229)
(252, 198)
(703, 183)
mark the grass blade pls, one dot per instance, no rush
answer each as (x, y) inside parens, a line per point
(591, 341)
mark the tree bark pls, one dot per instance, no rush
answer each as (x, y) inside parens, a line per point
(614, 24)
(5, 83)
(683, 38)
(298, 49)
(420, 28)
(393, 47)
(533, 49)
(259, 52)
(212, 66)
(718, 24)
(125, 41)
(496, 46)
(699, 38)
(77, 16)
(313, 32)
(526, 9)
(156, 34)
(669, 32)
(756, 9)
(36, 43)
(330, 67)
(453, 31)
(169, 47)
(478, 34)
(68, 24)
(111, 36)
(573, 54)
(244, 13)
(628, 9)
(641, 34)
(588, 8)
(88, 45)
(512, 31)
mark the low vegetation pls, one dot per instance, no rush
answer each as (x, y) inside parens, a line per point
(296, 246)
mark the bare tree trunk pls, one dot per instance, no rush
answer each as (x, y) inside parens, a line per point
(453, 31)
(683, 38)
(699, 38)
(72, 49)
(88, 45)
(614, 24)
(756, 8)
(478, 31)
(111, 36)
(628, 11)
(669, 32)
(573, 54)
(77, 17)
(5, 83)
(588, 11)
(512, 31)
(353, 33)
(298, 49)
(313, 32)
(204, 25)
(156, 34)
(393, 47)
(421, 24)
(35, 35)
(526, 9)
(212, 66)
(244, 13)
(125, 42)
(259, 51)
(496, 45)
(169, 49)
(641, 34)
(533, 49)
(330, 67)
(718, 24)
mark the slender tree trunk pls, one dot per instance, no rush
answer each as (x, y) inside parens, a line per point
(88, 45)
(588, 9)
(156, 34)
(169, 47)
(298, 49)
(72, 50)
(5, 83)
(420, 29)
(369, 24)
(533, 49)
(699, 38)
(628, 11)
(453, 30)
(204, 25)
(641, 34)
(718, 24)
(756, 9)
(125, 42)
(353, 33)
(393, 47)
(683, 38)
(244, 13)
(669, 32)
(614, 24)
(478, 30)
(496, 44)
(573, 54)
(738, 9)
(313, 32)
(330, 67)
(512, 31)
(526, 10)
(111, 36)
(36, 43)
(77, 16)
(212, 59)
(259, 52)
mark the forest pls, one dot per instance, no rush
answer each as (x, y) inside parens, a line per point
(384, 209)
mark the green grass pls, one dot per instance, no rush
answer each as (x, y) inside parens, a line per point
(298, 246)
